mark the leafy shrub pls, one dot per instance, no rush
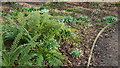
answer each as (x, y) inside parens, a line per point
(110, 19)
(40, 34)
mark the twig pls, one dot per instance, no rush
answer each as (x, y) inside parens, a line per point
(91, 51)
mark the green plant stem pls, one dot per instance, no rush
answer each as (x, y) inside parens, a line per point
(91, 51)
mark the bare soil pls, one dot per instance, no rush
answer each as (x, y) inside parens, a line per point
(106, 50)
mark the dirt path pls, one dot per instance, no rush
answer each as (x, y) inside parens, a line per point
(106, 50)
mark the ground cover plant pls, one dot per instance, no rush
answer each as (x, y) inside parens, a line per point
(52, 34)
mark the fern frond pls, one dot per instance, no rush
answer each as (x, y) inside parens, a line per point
(6, 58)
(16, 41)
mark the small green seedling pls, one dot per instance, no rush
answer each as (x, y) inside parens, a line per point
(76, 53)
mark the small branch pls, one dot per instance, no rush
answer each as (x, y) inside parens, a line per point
(91, 51)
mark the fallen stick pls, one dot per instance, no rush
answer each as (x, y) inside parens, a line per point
(91, 51)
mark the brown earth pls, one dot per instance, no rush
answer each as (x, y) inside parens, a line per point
(106, 50)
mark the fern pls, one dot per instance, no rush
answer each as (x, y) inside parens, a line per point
(16, 41)
(6, 58)
(40, 34)
(10, 32)
(40, 60)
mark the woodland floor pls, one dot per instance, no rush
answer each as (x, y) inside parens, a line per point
(106, 49)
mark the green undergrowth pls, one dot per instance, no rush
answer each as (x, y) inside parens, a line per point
(33, 40)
